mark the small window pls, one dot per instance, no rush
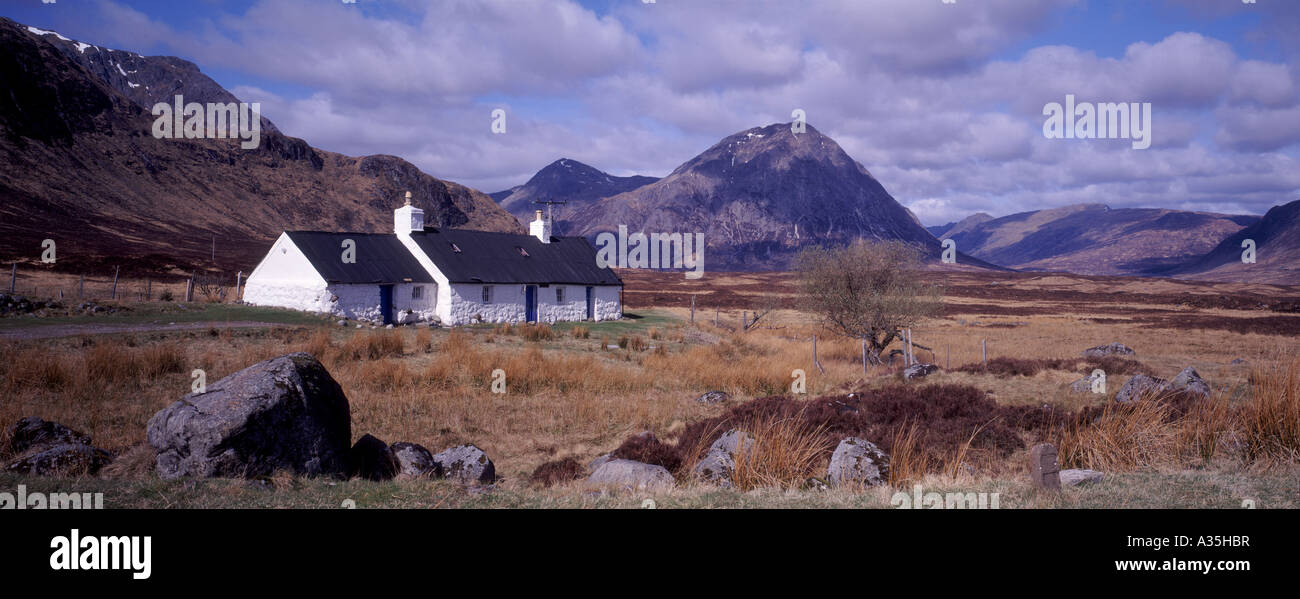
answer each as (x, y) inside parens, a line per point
(559, 295)
(487, 294)
(417, 292)
(455, 248)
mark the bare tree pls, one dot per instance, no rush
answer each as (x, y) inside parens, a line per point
(867, 290)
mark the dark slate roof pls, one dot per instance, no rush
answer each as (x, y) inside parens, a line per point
(487, 257)
(381, 258)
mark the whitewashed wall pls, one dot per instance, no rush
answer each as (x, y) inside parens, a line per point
(465, 304)
(286, 279)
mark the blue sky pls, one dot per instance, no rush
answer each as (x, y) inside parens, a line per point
(942, 102)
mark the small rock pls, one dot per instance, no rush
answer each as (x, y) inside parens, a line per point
(371, 459)
(918, 371)
(72, 459)
(1188, 381)
(815, 484)
(858, 461)
(713, 397)
(719, 464)
(1238, 361)
(1084, 385)
(342, 323)
(1113, 349)
(466, 464)
(1141, 385)
(1075, 477)
(631, 475)
(32, 432)
(1044, 472)
(414, 461)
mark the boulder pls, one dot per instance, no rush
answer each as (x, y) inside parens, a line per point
(1075, 477)
(1141, 385)
(633, 476)
(414, 461)
(858, 462)
(286, 413)
(1113, 349)
(466, 464)
(598, 462)
(719, 463)
(70, 459)
(371, 459)
(713, 397)
(34, 433)
(1188, 381)
(918, 371)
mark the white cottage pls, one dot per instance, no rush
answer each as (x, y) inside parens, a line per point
(452, 276)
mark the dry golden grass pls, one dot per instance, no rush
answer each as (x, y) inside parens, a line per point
(785, 453)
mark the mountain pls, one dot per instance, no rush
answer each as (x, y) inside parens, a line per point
(759, 196)
(81, 166)
(1277, 252)
(569, 181)
(941, 231)
(1095, 239)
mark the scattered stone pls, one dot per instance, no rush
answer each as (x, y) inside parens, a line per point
(1239, 361)
(466, 464)
(630, 475)
(1114, 349)
(815, 484)
(1043, 470)
(719, 464)
(713, 397)
(1188, 381)
(1084, 385)
(1076, 477)
(70, 459)
(283, 413)
(1141, 385)
(342, 323)
(32, 433)
(414, 461)
(371, 459)
(918, 371)
(858, 462)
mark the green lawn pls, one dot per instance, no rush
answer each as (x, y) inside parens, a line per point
(165, 313)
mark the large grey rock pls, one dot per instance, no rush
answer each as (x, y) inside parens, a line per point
(372, 459)
(286, 413)
(1188, 381)
(1075, 477)
(466, 464)
(719, 463)
(919, 371)
(598, 462)
(1141, 385)
(1113, 349)
(34, 433)
(414, 461)
(858, 462)
(71, 459)
(630, 475)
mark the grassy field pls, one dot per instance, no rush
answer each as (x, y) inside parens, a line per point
(579, 390)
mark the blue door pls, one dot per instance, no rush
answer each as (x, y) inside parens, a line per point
(386, 303)
(530, 303)
(591, 304)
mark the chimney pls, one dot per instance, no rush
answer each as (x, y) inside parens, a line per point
(540, 228)
(408, 218)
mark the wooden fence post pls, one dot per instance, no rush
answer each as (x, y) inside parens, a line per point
(189, 289)
(116, 269)
(817, 363)
(984, 353)
(81, 287)
(692, 309)
(864, 355)
(239, 280)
